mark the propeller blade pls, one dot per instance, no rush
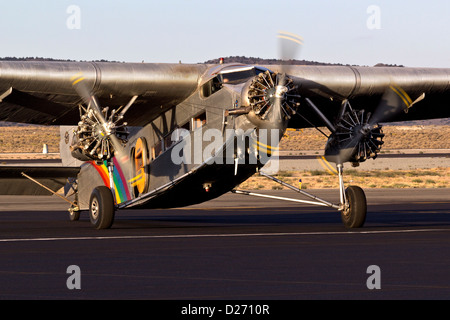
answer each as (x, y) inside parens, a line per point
(342, 153)
(80, 86)
(108, 127)
(275, 115)
(289, 45)
(394, 101)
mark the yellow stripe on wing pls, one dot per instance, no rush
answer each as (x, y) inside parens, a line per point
(403, 95)
(77, 78)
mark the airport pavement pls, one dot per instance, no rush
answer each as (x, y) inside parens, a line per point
(231, 248)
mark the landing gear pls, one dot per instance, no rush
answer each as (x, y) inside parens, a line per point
(353, 204)
(354, 214)
(101, 208)
(74, 214)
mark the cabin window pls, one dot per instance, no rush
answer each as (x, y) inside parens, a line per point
(168, 141)
(157, 149)
(199, 121)
(211, 87)
(177, 135)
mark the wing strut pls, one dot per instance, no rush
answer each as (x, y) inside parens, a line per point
(318, 201)
(74, 205)
(353, 203)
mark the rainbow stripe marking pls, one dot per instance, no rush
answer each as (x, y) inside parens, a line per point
(122, 193)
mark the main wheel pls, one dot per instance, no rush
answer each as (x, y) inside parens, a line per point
(101, 208)
(355, 215)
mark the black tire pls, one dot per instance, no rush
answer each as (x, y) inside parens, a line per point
(74, 215)
(355, 215)
(101, 208)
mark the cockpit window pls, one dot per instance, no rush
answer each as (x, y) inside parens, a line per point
(211, 87)
(237, 76)
(229, 76)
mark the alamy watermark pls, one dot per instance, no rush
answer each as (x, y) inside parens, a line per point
(73, 21)
(374, 20)
(213, 146)
(374, 280)
(74, 280)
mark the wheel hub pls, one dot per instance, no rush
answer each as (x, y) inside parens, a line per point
(94, 208)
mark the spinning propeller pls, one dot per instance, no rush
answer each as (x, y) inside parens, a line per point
(358, 135)
(100, 136)
(271, 94)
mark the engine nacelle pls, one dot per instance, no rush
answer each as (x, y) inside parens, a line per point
(355, 140)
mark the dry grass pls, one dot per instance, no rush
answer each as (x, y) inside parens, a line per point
(28, 139)
(419, 178)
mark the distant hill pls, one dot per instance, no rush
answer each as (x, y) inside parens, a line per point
(260, 61)
(231, 59)
(234, 59)
(47, 59)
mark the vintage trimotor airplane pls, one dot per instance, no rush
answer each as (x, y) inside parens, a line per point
(171, 135)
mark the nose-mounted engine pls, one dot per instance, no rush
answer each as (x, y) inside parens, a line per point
(92, 138)
(269, 91)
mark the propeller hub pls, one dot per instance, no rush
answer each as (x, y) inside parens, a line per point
(266, 91)
(278, 92)
(93, 138)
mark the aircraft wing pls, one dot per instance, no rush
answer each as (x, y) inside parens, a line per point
(328, 86)
(42, 92)
(12, 182)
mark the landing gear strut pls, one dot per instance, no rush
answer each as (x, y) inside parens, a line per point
(353, 204)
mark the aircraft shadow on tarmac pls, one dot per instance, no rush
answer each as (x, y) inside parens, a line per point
(383, 216)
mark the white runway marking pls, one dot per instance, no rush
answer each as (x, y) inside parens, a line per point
(230, 235)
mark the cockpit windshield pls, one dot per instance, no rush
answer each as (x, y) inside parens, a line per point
(238, 75)
(231, 76)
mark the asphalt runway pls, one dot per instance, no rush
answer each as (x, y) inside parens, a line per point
(232, 248)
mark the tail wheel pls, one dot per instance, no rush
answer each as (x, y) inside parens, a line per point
(355, 215)
(101, 208)
(74, 215)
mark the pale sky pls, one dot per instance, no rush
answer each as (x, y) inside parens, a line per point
(413, 33)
